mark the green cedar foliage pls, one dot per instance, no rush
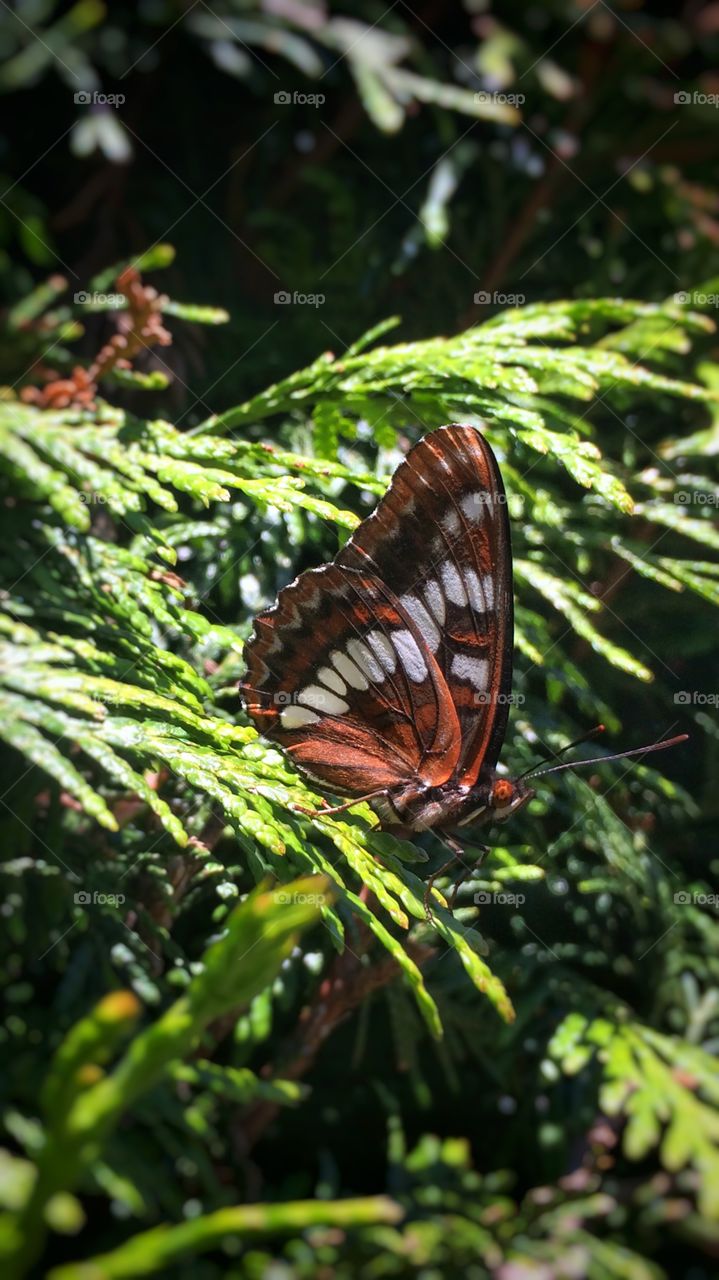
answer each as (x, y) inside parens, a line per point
(140, 810)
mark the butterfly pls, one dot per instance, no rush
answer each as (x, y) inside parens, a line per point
(386, 675)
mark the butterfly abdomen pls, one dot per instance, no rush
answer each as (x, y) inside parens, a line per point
(421, 808)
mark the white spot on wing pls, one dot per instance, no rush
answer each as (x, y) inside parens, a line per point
(365, 659)
(487, 585)
(298, 618)
(347, 669)
(480, 590)
(453, 585)
(410, 656)
(474, 670)
(451, 523)
(382, 650)
(331, 679)
(435, 599)
(473, 505)
(419, 614)
(294, 619)
(328, 703)
(293, 717)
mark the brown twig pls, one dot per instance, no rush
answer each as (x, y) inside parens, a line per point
(593, 63)
(352, 979)
(139, 326)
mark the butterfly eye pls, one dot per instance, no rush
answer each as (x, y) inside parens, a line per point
(503, 793)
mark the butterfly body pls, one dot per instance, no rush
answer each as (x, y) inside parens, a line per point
(387, 673)
(451, 805)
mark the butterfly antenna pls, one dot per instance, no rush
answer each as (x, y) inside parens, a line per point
(556, 755)
(618, 755)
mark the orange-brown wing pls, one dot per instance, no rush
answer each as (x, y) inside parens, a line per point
(440, 541)
(338, 673)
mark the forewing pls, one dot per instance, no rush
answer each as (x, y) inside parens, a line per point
(339, 675)
(440, 540)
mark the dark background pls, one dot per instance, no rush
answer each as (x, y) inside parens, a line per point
(604, 188)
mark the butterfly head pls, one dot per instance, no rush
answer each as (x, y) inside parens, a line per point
(492, 800)
(506, 797)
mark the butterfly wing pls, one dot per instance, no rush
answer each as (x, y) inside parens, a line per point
(439, 539)
(340, 676)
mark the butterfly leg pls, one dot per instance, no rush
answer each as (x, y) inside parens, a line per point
(436, 875)
(339, 808)
(457, 856)
(464, 874)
